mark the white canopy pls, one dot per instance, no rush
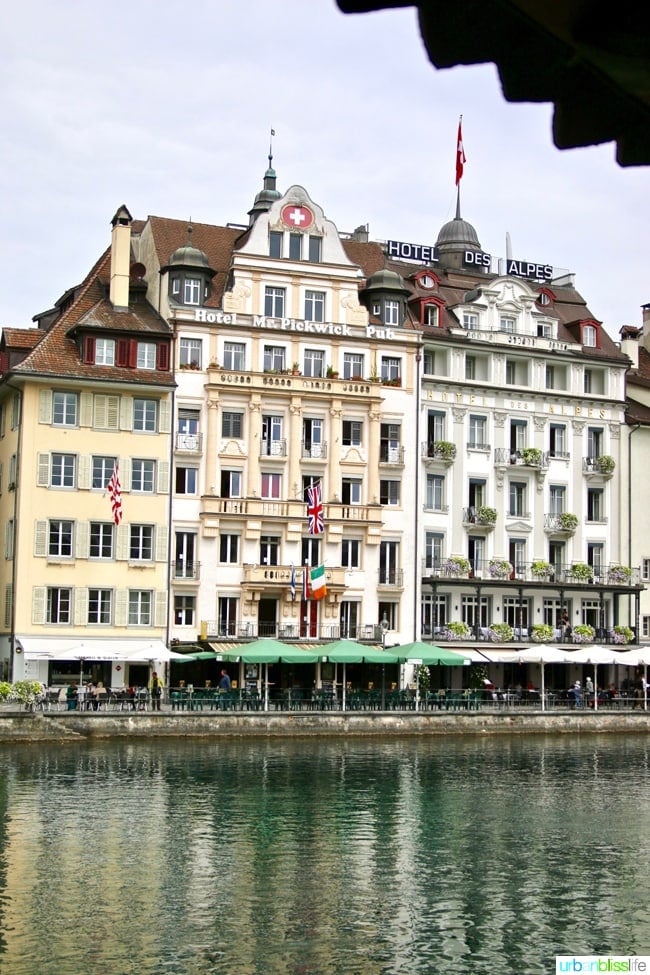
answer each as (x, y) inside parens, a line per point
(62, 648)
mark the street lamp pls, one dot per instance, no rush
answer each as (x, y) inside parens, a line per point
(384, 631)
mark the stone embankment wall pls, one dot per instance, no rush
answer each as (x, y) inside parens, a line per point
(72, 726)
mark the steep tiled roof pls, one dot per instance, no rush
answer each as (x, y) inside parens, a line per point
(216, 242)
(636, 412)
(20, 338)
(57, 354)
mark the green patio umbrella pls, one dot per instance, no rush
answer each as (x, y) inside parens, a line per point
(268, 652)
(429, 655)
(349, 652)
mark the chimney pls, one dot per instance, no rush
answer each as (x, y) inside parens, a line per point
(361, 233)
(630, 343)
(120, 259)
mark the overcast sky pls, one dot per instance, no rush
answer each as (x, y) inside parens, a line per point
(167, 108)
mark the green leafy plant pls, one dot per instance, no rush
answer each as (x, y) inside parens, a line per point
(531, 456)
(568, 521)
(5, 690)
(541, 633)
(582, 572)
(444, 449)
(541, 569)
(458, 630)
(583, 633)
(485, 515)
(456, 565)
(621, 633)
(500, 568)
(477, 676)
(501, 632)
(26, 691)
(619, 573)
(422, 678)
(605, 464)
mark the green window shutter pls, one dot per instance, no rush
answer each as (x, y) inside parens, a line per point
(162, 474)
(43, 475)
(39, 596)
(121, 607)
(45, 406)
(40, 538)
(86, 410)
(160, 610)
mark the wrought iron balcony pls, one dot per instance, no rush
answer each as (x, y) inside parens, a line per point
(190, 443)
(313, 451)
(526, 457)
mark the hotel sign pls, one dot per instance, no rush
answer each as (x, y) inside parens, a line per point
(411, 252)
(510, 266)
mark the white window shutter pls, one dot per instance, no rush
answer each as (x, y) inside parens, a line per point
(165, 413)
(162, 474)
(82, 539)
(121, 607)
(39, 595)
(162, 537)
(113, 412)
(160, 611)
(40, 538)
(86, 410)
(80, 607)
(45, 406)
(125, 474)
(84, 472)
(126, 413)
(43, 475)
(122, 542)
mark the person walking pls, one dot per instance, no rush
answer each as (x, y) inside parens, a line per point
(155, 689)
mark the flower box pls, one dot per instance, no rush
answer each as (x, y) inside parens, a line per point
(541, 569)
(621, 634)
(583, 633)
(499, 569)
(619, 573)
(456, 565)
(541, 633)
(457, 630)
(500, 633)
(581, 572)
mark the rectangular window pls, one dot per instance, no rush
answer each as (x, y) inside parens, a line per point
(557, 499)
(470, 320)
(185, 481)
(231, 484)
(146, 357)
(511, 372)
(436, 423)
(431, 313)
(595, 504)
(295, 247)
(557, 440)
(274, 358)
(433, 550)
(314, 306)
(517, 499)
(63, 470)
(60, 539)
(645, 569)
(64, 409)
(232, 424)
(274, 302)
(192, 291)
(353, 365)
(229, 549)
(104, 352)
(507, 324)
(351, 490)
(350, 553)
(389, 492)
(477, 431)
(273, 443)
(184, 609)
(470, 367)
(59, 603)
(389, 571)
(102, 472)
(269, 550)
(315, 249)
(352, 433)
(391, 369)
(435, 490)
(390, 451)
(189, 353)
(141, 543)
(142, 476)
(310, 549)
(140, 602)
(475, 612)
(10, 538)
(588, 383)
(516, 612)
(101, 540)
(99, 606)
(314, 363)
(276, 238)
(227, 609)
(145, 415)
(391, 312)
(594, 442)
(645, 626)
(271, 486)
(234, 356)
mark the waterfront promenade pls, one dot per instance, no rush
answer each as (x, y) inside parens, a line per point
(17, 724)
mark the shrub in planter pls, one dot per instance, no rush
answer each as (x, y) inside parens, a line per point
(501, 632)
(621, 634)
(456, 565)
(500, 568)
(458, 630)
(583, 633)
(5, 690)
(568, 521)
(619, 573)
(605, 464)
(582, 572)
(541, 633)
(486, 515)
(541, 569)
(531, 456)
(444, 449)
(422, 678)
(26, 691)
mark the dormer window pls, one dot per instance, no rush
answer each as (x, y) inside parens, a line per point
(431, 314)
(470, 320)
(295, 247)
(508, 324)
(391, 313)
(146, 355)
(192, 291)
(276, 238)
(176, 286)
(104, 352)
(315, 249)
(590, 336)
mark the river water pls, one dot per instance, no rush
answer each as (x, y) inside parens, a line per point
(323, 857)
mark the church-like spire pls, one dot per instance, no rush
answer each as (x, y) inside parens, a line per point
(269, 194)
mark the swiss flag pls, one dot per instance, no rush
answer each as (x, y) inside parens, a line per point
(460, 152)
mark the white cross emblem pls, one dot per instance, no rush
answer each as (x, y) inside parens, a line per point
(297, 216)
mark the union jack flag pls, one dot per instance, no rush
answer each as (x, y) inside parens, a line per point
(315, 515)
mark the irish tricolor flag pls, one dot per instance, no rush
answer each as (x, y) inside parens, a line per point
(317, 582)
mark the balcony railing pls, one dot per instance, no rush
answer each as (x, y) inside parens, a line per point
(537, 572)
(190, 443)
(273, 448)
(526, 457)
(313, 451)
(442, 451)
(322, 632)
(440, 632)
(604, 465)
(184, 569)
(391, 455)
(391, 577)
(480, 516)
(564, 523)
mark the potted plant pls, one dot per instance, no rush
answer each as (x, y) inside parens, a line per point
(444, 449)
(605, 464)
(583, 633)
(485, 515)
(457, 630)
(331, 373)
(295, 369)
(541, 633)
(541, 569)
(582, 572)
(501, 633)
(531, 457)
(621, 633)
(28, 692)
(5, 690)
(619, 573)
(568, 521)
(500, 568)
(456, 565)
